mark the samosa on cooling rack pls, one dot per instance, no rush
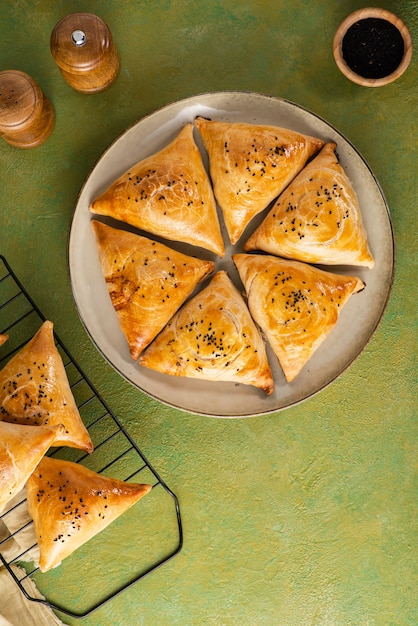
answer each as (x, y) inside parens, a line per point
(34, 390)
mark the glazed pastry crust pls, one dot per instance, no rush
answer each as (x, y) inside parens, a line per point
(167, 194)
(317, 219)
(34, 390)
(296, 305)
(250, 165)
(21, 449)
(70, 504)
(213, 337)
(3, 338)
(146, 280)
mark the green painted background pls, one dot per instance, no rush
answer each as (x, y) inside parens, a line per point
(302, 518)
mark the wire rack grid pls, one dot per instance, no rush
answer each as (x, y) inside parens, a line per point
(115, 455)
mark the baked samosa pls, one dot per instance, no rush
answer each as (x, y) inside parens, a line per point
(296, 305)
(21, 449)
(212, 337)
(146, 280)
(317, 219)
(250, 165)
(34, 390)
(70, 504)
(167, 194)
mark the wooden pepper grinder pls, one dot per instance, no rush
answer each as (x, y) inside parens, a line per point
(27, 117)
(83, 49)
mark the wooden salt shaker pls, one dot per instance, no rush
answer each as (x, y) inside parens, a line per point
(83, 49)
(27, 117)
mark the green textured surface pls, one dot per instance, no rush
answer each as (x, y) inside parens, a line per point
(305, 517)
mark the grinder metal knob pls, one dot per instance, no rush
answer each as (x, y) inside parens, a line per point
(82, 47)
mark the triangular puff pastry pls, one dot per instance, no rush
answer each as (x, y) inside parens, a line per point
(167, 194)
(213, 337)
(146, 280)
(21, 449)
(317, 219)
(3, 338)
(296, 305)
(250, 165)
(34, 390)
(70, 504)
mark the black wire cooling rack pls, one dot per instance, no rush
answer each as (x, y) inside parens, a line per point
(116, 455)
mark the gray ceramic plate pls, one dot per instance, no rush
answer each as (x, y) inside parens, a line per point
(357, 322)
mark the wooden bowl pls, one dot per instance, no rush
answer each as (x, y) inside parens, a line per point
(362, 14)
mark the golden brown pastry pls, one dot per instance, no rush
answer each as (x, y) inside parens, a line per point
(21, 449)
(147, 281)
(317, 219)
(167, 194)
(296, 305)
(250, 165)
(212, 338)
(70, 504)
(34, 390)
(3, 338)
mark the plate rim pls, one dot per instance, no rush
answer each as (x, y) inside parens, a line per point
(390, 281)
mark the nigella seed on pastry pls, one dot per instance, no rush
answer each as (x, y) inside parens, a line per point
(260, 160)
(62, 530)
(317, 219)
(34, 389)
(295, 304)
(212, 337)
(146, 280)
(155, 197)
